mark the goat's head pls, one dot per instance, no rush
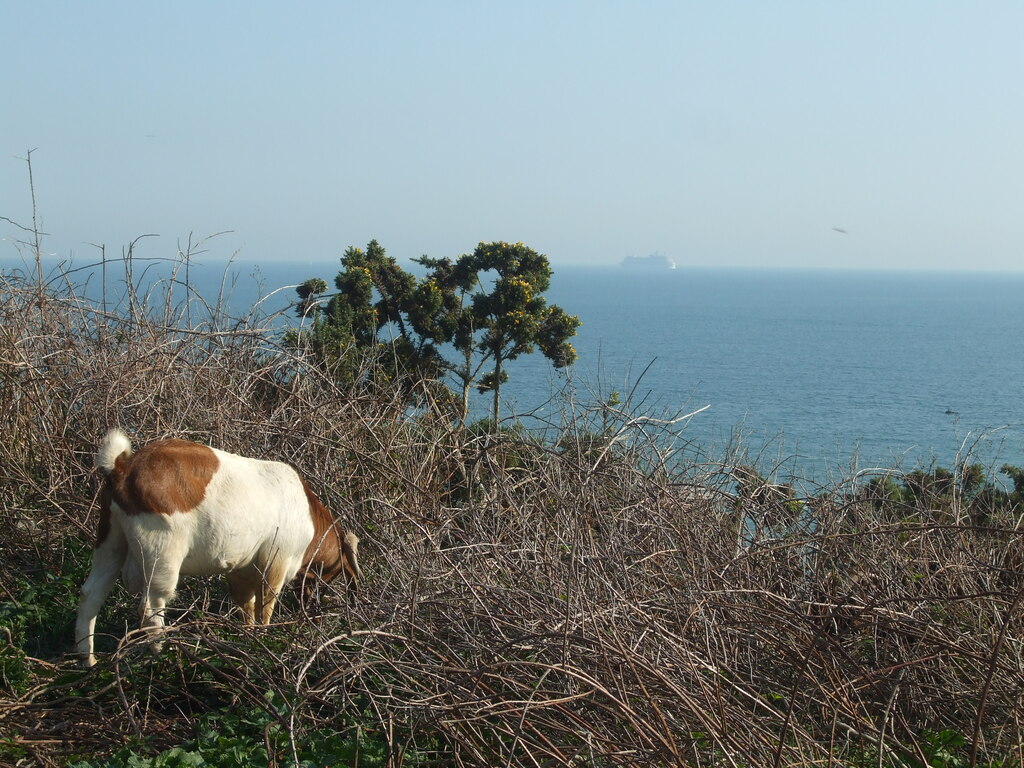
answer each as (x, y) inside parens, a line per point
(332, 552)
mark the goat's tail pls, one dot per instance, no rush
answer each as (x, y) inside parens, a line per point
(115, 444)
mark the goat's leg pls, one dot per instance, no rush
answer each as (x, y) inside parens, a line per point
(243, 586)
(270, 587)
(161, 583)
(107, 559)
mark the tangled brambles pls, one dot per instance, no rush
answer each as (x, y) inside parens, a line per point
(582, 596)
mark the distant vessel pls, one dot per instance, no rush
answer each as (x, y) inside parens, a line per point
(654, 260)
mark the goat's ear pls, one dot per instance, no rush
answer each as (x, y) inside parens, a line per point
(350, 554)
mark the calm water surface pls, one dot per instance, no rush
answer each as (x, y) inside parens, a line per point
(811, 366)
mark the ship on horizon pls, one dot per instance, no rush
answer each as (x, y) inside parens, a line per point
(654, 260)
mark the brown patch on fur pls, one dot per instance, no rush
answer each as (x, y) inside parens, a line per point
(164, 477)
(329, 554)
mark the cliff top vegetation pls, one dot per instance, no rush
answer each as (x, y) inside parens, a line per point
(572, 596)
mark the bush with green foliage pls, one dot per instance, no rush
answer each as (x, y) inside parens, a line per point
(487, 307)
(372, 326)
(965, 494)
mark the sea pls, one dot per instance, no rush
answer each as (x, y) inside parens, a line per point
(813, 373)
(810, 374)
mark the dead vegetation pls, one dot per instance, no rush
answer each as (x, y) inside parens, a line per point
(529, 601)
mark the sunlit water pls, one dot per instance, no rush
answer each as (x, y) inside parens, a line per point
(812, 367)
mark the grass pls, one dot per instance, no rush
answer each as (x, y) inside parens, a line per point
(553, 599)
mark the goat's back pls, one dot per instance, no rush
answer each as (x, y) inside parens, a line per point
(218, 511)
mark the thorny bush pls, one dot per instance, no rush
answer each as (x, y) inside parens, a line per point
(577, 596)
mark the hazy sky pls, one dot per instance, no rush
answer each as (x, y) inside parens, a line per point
(717, 133)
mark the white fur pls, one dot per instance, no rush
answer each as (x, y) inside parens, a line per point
(113, 445)
(253, 524)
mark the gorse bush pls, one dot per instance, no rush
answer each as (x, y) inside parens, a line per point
(581, 596)
(465, 321)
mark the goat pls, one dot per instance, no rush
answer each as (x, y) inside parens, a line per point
(180, 508)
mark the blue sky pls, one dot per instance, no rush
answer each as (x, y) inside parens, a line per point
(720, 134)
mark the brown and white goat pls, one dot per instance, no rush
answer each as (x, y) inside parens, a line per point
(179, 508)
